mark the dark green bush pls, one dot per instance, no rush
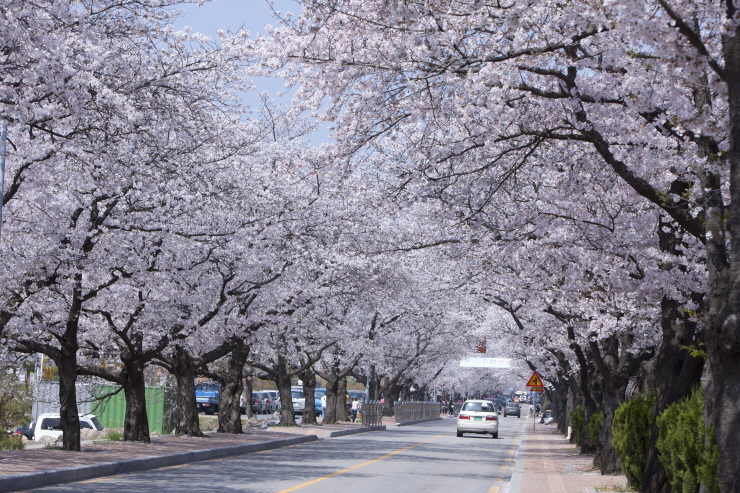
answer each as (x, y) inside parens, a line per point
(633, 423)
(593, 428)
(581, 430)
(681, 444)
(577, 424)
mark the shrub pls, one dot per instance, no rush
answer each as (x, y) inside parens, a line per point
(593, 428)
(682, 444)
(577, 423)
(582, 430)
(10, 442)
(114, 435)
(631, 429)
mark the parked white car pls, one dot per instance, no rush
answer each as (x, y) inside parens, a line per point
(49, 425)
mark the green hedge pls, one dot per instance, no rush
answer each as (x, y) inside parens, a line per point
(633, 423)
(581, 430)
(577, 424)
(681, 444)
(593, 428)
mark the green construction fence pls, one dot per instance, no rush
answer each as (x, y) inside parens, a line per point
(160, 408)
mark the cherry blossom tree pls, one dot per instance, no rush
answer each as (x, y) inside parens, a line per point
(467, 94)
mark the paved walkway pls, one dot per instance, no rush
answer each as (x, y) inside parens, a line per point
(549, 464)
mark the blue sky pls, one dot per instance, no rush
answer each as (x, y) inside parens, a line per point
(252, 15)
(232, 15)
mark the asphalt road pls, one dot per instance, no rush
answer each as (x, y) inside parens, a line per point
(425, 457)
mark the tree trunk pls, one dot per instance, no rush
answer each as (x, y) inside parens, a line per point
(309, 390)
(723, 333)
(136, 423)
(610, 463)
(183, 369)
(282, 380)
(332, 395)
(391, 396)
(248, 395)
(66, 362)
(374, 384)
(675, 373)
(341, 402)
(229, 415)
(68, 412)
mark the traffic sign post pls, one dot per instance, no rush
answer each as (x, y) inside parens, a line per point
(535, 385)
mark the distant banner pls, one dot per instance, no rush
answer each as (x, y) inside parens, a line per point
(474, 362)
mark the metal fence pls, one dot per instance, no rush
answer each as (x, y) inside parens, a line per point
(372, 413)
(411, 411)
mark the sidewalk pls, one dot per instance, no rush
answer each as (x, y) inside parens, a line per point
(26, 469)
(547, 463)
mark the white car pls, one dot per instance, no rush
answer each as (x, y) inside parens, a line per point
(299, 401)
(49, 425)
(477, 416)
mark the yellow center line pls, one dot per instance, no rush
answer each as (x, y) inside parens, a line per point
(309, 483)
(494, 489)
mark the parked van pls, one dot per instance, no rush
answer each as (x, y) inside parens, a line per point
(299, 401)
(49, 425)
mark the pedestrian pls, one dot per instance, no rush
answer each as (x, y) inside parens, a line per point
(323, 407)
(355, 408)
(450, 408)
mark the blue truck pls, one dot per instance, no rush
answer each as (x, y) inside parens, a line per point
(208, 397)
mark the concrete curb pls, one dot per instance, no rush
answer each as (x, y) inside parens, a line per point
(56, 476)
(515, 485)
(416, 421)
(354, 431)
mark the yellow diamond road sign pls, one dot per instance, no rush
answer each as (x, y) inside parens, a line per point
(535, 380)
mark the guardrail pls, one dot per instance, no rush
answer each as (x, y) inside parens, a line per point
(372, 413)
(411, 411)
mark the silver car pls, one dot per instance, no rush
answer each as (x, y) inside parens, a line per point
(477, 416)
(274, 400)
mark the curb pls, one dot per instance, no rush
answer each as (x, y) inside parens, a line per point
(73, 474)
(515, 483)
(354, 431)
(417, 421)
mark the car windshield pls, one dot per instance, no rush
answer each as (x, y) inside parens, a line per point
(478, 406)
(96, 423)
(298, 394)
(320, 393)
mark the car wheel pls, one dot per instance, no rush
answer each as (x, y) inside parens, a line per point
(459, 434)
(494, 435)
